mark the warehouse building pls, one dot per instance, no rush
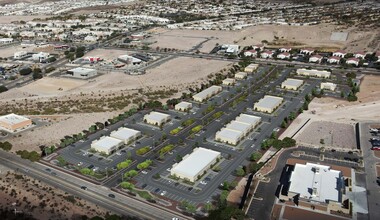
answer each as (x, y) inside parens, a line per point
(291, 84)
(195, 164)
(82, 73)
(156, 118)
(241, 75)
(20, 55)
(126, 134)
(251, 67)
(207, 93)
(237, 129)
(183, 106)
(13, 122)
(107, 145)
(40, 57)
(328, 85)
(229, 136)
(315, 73)
(268, 104)
(228, 82)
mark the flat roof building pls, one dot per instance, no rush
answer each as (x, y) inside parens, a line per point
(316, 182)
(207, 93)
(291, 84)
(268, 104)
(126, 134)
(315, 73)
(107, 145)
(156, 118)
(195, 164)
(241, 75)
(183, 106)
(83, 73)
(251, 67)
(228, 82)
(13, 122)
(328, 85)
(237, 129)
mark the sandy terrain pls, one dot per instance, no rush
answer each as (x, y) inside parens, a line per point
(42, 201)
(334, 110)
(9, 19)
(106, 54)
(52, 86)
(52, 133)
(296, 36)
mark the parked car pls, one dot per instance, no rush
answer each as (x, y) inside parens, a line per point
(84, 187)
(144, 185)
(157, 190)
(163, 193)
(111, 196)
(144, 172)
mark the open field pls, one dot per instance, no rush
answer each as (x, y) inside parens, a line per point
(336, 110)
(51, 86)
(9, 19)
(330, 133)
(40, 200)
(52, 133)
(296, 36)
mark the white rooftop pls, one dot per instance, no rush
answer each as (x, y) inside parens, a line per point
(269, 101)
(293, 82)
(316, 182)
(105, 143)
(230, 134)
(238, 126)
(210, 90)
(81, 70)
(157, 116)
(196, 161)
(124, 133)
(250, 119)
(184, 104)
(13, 119)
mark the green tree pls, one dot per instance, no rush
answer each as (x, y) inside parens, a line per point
(25, 71)
(255, 156)
(6, 146)
(127, 185)
(3, 88)
(240, 171)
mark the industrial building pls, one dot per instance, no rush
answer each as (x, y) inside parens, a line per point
(20, 55)
(129, 59)
(251, 67)
(40, 57)
(318, 185)
(6, 40)
(291, 84)
(82, 73)
(183, 106)
(328, 85)
(156, 118)
(228, 82)
(195, 164)
(107, 145)
(13, 122)
(241, 75)
(268, 104)
(315, 73)
(126, 134)
(207, 93)
(237, 129)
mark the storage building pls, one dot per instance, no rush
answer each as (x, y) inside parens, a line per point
(241, 75)
(13, 122)
(183, 106)
(268, 104)
(328, 85)
(291, 84)
(207, 93)
(83, 73)
(156, 118)
(195, 164)
(107, 145)
(126, 134)
(228, 82)
(20, 55)
(315, 73)
(229, 136)
(251, 67)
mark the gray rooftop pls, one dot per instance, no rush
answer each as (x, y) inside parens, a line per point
(106, 143)
(250, 119)
(269, 101)
(238, 126)
(292, 82)
(124, 133)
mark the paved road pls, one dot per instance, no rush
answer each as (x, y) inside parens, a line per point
(98, 195)
(370, 170)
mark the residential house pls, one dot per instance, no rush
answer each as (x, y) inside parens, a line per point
(250, 53)
(315, 59)
(307, 51)
(284, 55)
(267, 54)
(333, 59)
(360, 55)
(340, 53)
(285, 49)
(258, 46)
(353, 61)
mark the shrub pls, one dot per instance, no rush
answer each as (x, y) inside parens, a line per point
(25, 71)
(123, 164)
(143, 150)
(127, 185)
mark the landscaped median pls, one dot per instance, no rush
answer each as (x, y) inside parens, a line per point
(196, 129)
(143, 150)
(175, 131)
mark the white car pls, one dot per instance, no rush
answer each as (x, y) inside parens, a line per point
(163, 193)
(144, 172)
(80, 164)
(169, 169)
(203, 182)
(118, 153)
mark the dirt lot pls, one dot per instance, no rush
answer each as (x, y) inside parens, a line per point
(42, 201)
(341, 111)
(52, 86)
(66, 125)
(9, 19)
(296, 36)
